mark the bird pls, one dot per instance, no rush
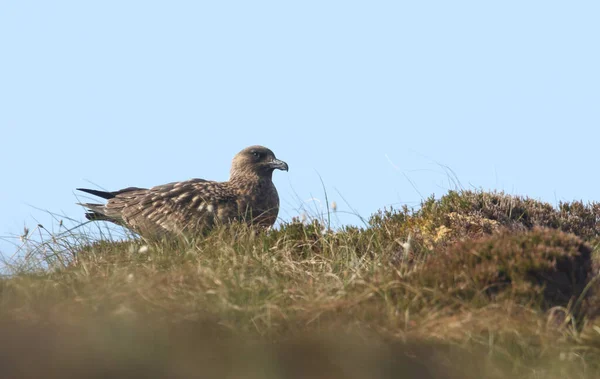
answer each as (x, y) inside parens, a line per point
(196, 206)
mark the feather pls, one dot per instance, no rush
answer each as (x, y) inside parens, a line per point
(196, 205)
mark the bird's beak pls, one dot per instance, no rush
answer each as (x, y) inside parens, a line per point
(280, 165)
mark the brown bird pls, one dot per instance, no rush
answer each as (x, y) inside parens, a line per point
(196, 205)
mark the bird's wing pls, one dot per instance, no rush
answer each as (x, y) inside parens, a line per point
(189, 205)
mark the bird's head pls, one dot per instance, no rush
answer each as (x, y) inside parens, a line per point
(256, 161)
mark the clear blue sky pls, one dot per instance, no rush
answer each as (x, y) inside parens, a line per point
(375, 97)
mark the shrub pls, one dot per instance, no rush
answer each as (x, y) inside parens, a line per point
(470, 214)
(544, 266)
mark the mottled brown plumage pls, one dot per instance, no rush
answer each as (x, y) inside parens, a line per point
(194, 206)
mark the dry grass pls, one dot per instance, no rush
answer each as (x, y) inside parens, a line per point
(465, 287)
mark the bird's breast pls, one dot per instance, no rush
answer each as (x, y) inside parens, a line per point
(259, 204)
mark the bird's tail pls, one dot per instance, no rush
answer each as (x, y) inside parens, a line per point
(102, 194)
(96, 212)
(109, 195)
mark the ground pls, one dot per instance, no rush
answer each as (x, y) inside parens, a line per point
(472, 285)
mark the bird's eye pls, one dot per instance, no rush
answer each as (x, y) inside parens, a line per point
(256, 154)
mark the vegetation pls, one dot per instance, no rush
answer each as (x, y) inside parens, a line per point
(472, 285)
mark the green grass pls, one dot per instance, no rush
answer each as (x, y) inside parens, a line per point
(472, 285)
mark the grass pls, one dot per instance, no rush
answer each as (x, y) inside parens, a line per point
(473, 285)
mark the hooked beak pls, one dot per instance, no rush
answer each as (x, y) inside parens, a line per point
(280, 165)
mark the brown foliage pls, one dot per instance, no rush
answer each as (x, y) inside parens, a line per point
(543, 266)
(465, 215)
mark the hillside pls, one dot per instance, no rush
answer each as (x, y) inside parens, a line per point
(472, 285)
